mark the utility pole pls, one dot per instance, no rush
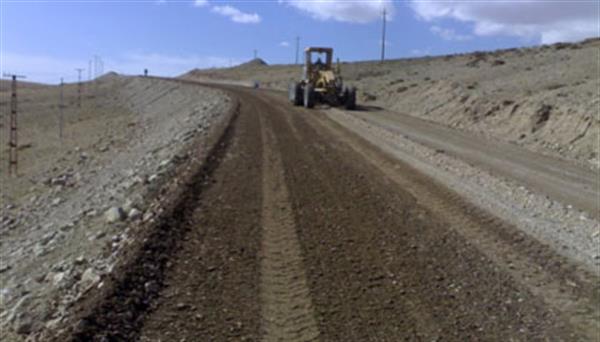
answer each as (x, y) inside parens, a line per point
(297, 47)
(96, 73)
(13, 142)
(89, 70)
(255, 53)
(61, 107)
(79, 70)
(383, 37)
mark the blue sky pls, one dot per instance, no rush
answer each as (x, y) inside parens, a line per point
(47, 40)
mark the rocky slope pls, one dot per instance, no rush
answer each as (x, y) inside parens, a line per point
(75, 205)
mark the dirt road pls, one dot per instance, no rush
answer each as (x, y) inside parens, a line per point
(290, 233)
(557, 178)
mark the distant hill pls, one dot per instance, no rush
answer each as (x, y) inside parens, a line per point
(253, 63)
(108, 76)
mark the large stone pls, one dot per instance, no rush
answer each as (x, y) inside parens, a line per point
(89, 278)
(134, 214)
(114, 214)
(58, 279)
(128, 205)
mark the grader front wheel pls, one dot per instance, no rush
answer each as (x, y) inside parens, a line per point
(309, 96)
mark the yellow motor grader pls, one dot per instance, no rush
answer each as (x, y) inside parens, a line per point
(321, 82)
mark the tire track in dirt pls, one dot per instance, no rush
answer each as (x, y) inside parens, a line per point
(383, 267)
(533, 265)
(287, 311)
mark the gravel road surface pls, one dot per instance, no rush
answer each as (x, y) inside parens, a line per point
(297, 229)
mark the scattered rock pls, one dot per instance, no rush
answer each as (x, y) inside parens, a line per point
(147, 216)
(164, 163)
(89, 278)
(368, 97)
(134, 214)
(128, 205)
(114, 214)
(80, 260)
(4, 268)
(91, 213)
(183, 306)
(58, 279)
(23, 324)
(47, 238)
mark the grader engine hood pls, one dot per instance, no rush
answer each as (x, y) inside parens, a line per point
(324, 79)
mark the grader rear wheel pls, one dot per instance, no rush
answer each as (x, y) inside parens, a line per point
(350, 99)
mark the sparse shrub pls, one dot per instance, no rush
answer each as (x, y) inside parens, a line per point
(540, 117)
(560, 46)
(555, 86)
(498, 62)
(401, 89)
(368, 97)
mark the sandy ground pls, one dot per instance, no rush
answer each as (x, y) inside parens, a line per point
(77, 200)
(545, 98)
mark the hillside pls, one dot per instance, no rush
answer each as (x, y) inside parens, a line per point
(543, 98)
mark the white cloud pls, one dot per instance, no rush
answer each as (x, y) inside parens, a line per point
(236, 15)
(49, 69)
(284, 44)
(548, 22)
(345, 11)
(387, 43)
(448, 34)
(200, 3)
(420, 52)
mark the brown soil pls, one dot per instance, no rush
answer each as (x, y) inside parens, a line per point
(291, 233)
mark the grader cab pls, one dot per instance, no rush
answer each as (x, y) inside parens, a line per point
(321, 82)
